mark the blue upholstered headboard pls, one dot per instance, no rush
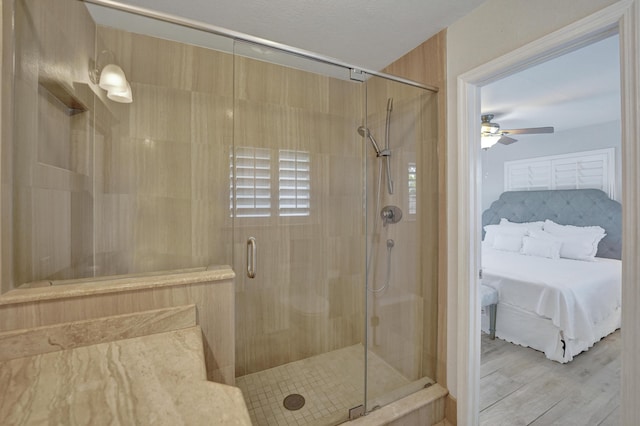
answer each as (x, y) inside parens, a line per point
(579, 207)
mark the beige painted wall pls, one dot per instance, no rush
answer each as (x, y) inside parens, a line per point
(471, 43)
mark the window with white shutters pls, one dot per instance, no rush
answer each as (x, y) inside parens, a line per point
(587, 169)
(253, 182)
(252, 173)
(294, 180)
(528, 175)
(412, 188)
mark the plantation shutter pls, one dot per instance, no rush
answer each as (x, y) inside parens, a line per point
(294, 183)
(587, 169)
(253, 182)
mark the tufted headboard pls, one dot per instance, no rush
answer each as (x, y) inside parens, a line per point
(579, 207)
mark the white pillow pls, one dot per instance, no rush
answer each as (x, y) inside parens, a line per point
(531, 226)
(556, 229)
(493, 230)
(578, 246)
(544, 235)
(542, 247)
(507, 242)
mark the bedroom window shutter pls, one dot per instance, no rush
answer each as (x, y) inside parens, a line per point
(579, 170)
(528, 176)
(583, 172)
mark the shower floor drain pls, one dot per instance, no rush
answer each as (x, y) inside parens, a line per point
(293, 402)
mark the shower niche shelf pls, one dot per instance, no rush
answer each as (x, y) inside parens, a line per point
(65, 95)
(64, 133)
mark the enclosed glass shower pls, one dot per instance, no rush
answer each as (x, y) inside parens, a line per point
(312, 179)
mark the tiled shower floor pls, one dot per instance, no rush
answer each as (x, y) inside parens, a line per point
(331, 384)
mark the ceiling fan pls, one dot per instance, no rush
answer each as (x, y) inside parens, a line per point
(491, 133)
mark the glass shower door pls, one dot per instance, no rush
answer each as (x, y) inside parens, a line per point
(297, 206)
(401, 288)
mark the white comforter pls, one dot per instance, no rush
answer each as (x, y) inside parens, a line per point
(575, 295)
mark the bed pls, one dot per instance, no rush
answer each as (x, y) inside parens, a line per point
(555, 304)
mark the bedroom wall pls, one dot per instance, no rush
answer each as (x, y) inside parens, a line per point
(587, 138)
(471, 43)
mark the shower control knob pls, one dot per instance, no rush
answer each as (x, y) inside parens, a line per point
(391, 214)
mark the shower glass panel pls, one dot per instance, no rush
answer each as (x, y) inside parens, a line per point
(401, 230)
(102, 188)
(321, 192)
(297, 190)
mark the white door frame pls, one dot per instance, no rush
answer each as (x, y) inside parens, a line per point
(624, 17)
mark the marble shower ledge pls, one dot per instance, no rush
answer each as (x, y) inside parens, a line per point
(115, 284)
(158, 379)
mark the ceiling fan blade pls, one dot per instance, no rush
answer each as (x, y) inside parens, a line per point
(529, 131)
(506, 140)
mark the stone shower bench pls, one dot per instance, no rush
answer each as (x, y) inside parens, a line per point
(73, 373)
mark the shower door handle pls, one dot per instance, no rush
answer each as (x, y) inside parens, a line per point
(251, 257)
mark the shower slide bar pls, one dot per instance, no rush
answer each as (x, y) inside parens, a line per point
(236, 35)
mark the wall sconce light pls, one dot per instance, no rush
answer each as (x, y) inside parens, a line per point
(110, 77)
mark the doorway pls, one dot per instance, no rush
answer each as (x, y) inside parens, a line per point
(578, 94)
(618, 16)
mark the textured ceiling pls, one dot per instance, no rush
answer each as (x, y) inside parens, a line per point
(365, 33)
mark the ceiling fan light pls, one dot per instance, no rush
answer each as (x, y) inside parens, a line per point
(490, 127)
(489, 140)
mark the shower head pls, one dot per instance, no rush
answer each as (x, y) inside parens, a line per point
(364, 132)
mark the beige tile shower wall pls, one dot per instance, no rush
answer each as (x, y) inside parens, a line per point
(307, 297)
(52, 179)
(164, 183)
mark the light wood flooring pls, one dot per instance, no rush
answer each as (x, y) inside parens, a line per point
(519, 386)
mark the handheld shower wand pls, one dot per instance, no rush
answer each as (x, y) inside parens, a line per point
(386, 145)
(364, 132)
(386, 152)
